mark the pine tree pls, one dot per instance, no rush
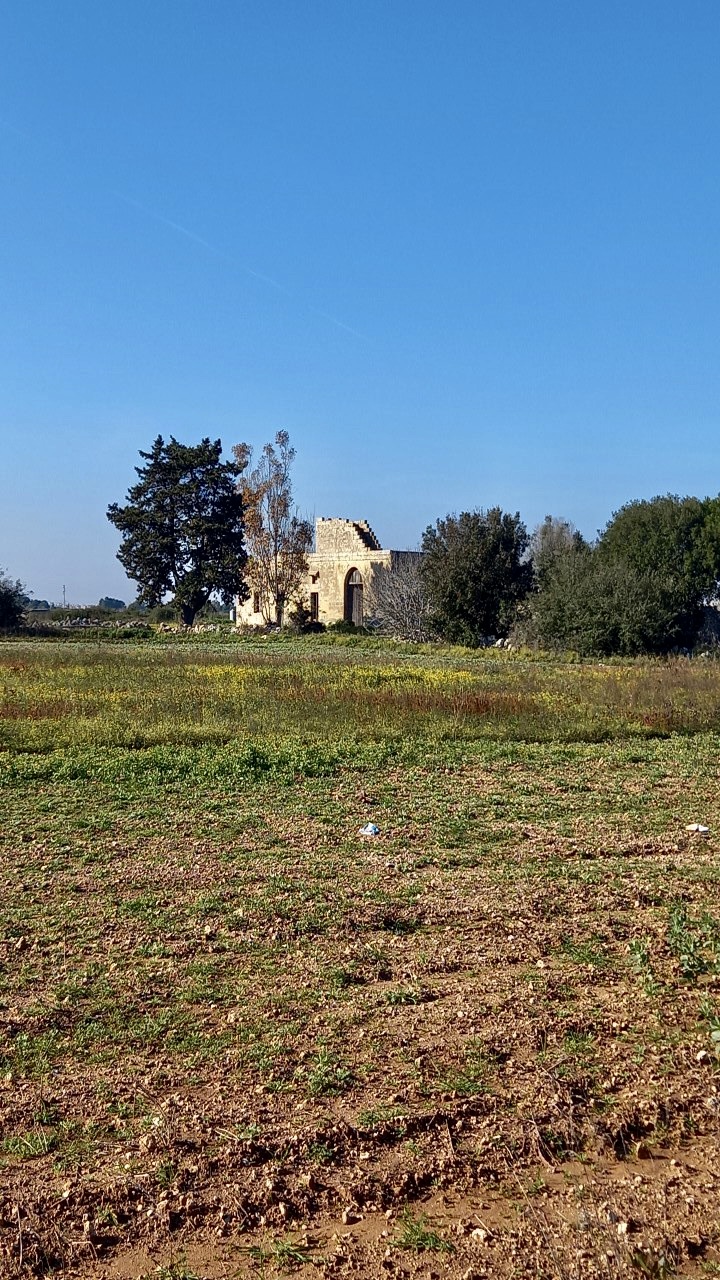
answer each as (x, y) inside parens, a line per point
(182, 527)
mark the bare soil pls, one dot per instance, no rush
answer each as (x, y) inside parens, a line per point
(240, 1039)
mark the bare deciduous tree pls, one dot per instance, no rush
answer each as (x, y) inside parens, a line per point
(397, 599)
(277, 539)
(549, 542)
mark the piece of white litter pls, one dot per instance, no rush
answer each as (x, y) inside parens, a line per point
(697, 826)
(370, 830)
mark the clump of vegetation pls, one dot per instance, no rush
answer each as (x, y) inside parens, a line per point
(328, 1076)
(695, 943)
(642, 588)
(416, 1234)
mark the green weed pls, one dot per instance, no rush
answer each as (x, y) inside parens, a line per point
(590, 951)
(321, 1153)
(639, 951)
(693, 942)
(379, 1117)
(415, 1234)
(470, 1077)
(284, 1253)
(327, 1076)
(28, 1146)
(711, 1014)
(404, 995)
(32, 1055)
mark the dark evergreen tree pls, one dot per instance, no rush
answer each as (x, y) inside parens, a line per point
(182, 527)
(665, 539)
(13, 603)
(599, 607)
(474, 571)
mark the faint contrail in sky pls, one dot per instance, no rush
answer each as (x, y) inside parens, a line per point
(205, 244)
(167, 222)
(177, 226)
(333, 320)
(12, 128)
(274, 284)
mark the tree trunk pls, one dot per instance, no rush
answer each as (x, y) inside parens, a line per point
(187, 613)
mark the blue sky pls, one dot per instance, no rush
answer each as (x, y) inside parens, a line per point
(465, 253)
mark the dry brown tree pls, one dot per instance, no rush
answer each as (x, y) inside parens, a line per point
(277, 538)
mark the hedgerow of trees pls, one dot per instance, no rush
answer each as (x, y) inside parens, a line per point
(644, 586)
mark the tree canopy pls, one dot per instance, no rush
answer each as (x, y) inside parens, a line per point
(182, 526)
(13, 602)
(474, 571)
(642, 588)
(665, 536)
(599, 606)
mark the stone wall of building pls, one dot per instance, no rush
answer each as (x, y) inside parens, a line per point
(340, 574)
(342, 537)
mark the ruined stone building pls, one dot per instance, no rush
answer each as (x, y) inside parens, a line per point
(341, 569)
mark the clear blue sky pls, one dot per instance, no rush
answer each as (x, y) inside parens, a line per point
(466, 253)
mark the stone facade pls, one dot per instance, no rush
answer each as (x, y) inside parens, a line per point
(341, 569)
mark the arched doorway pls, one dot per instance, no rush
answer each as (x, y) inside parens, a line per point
(354, 598)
